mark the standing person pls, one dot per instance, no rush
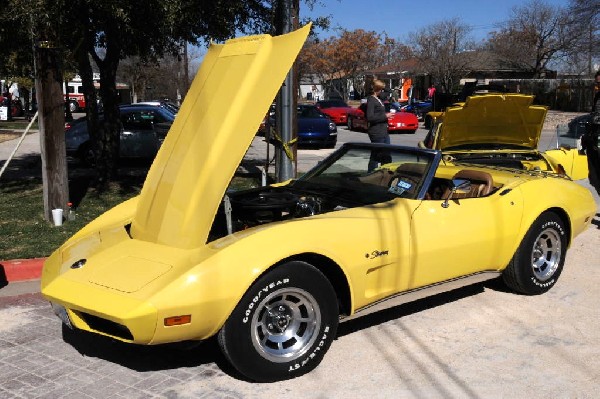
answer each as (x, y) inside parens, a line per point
(378, 123)
(589, 141)
(596, 103)
(431, 92)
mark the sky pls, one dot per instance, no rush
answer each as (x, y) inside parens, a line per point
(399, 18)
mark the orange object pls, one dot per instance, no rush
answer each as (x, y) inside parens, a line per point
(178, 320)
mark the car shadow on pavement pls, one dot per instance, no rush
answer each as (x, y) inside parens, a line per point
(145, 358)
(406, 309)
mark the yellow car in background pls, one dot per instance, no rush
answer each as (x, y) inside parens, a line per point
(271, 271)
(501, 130)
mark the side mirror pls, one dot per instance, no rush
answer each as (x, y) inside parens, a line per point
(461, 186)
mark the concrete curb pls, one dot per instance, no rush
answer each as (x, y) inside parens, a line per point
(22, 269)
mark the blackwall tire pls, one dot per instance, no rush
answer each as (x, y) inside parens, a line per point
(283, 325)
(539, 260)
(350, 127)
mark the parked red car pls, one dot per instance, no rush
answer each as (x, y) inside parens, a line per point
(398, 121)
(336, 110)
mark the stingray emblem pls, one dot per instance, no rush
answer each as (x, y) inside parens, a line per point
(376, 254)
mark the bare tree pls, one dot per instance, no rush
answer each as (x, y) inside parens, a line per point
(153, 79)
(439, 48)
(391, 51)
(584, 28)
(339, 62)
(534, 35)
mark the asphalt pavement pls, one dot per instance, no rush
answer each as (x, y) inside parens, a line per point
(476, 342)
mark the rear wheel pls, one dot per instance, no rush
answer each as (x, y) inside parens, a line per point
(539, 260)
(283, 325)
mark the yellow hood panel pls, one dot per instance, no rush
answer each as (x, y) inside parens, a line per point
(500, 119)
(222, 111)
(127, 273)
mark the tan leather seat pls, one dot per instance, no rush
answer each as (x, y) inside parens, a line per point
(379, 177)
(482, 184)
(411, 173)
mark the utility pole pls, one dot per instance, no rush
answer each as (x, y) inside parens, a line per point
(51, 109)
(286, 20)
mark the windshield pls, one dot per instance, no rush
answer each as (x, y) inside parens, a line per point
(309, 112)
(372, 173)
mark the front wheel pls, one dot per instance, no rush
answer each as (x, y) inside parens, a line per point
(538, 262)
(283, 325)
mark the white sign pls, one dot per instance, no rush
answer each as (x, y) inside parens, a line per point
(3, 113)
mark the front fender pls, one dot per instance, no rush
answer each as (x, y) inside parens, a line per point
(574, 164)
(568, 199)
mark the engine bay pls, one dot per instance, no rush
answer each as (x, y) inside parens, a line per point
(249, 208)
(513, 160)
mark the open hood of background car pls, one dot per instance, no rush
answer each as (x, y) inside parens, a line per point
(210, 136)
(497, 119)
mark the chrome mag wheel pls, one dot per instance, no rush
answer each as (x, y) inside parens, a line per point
(285, 324)
(546, 254)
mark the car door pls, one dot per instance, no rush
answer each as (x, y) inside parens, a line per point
(360, 117)
(468, 236)
(138, 138)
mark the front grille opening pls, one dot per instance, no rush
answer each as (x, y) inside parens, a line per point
(106, 326)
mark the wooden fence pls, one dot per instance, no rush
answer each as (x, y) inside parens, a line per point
(574, 95)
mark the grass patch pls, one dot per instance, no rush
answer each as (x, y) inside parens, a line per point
(24, 233)
(17, 124)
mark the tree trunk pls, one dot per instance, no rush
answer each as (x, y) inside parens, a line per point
(110, 127)
(109, 143)
(51, 108)
(91, 99)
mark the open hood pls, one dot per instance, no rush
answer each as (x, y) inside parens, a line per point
(498, 119)
(218, 119)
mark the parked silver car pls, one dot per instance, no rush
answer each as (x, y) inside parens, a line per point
(143, 129)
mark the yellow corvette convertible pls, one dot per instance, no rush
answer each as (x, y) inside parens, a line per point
(271, 271)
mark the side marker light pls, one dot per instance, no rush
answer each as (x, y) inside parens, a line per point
(178, 320)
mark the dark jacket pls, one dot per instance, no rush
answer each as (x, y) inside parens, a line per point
(376, 116)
